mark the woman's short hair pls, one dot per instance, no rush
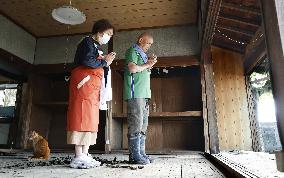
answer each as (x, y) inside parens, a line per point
(101, 26)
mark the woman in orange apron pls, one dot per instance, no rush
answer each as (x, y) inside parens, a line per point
(84, 93)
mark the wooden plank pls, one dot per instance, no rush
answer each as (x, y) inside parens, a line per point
(235, 30)
(231, 31)
(238, 26)
(231, 100)
(186, 97)
(40, 116)
(117, 95)
(210, 23)
(24, 117)
(242, 9)
(205, 58)
(252, 58)
(155, 137)
(257, 141)
(226, 43)
(156, 104)
(159, 115)
(183, 135)
(238, 21)
(211, 109)
(124, 134)
(274, 29)
(108, 128)
(146, 14)
(53, 69)
(252, 5)
(236, 34)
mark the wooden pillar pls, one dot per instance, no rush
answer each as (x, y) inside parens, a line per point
(209, 103)
(108, 126)
(25, 115)
(273, 17)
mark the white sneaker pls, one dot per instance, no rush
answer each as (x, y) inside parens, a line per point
(95, 162)
(81, 162)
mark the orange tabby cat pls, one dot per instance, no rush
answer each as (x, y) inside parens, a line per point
(40, 146)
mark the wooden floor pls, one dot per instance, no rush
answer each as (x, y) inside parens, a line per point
(185, 165)
(253, 164)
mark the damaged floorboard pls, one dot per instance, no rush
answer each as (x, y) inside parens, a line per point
(113, 165)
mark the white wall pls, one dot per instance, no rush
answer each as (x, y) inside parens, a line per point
(171, 41)
(16, 40)
(53, 50)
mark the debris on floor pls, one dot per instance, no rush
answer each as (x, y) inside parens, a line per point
(112, 166)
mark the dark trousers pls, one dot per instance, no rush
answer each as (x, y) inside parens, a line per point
(137, 116)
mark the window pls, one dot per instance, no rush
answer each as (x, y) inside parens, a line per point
(8, 94)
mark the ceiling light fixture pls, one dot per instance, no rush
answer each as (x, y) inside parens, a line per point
(68, 15)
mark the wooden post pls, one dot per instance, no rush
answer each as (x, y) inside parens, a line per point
(108, 127)
(25, 114)
(209, 103)
(273, 17)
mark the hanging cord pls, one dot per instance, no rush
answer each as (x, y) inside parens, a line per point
(67, 43)
(66, 78)
(66, 54)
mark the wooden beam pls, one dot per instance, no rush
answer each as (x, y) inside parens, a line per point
(225, 43)
(235, 30)
(211, 20)
(19, 24)
(234, 34)
(61, 69)
(253, 5)
(53, 69)
(242, 9)
(255, 21)
(273, 17)
(231, 30)
(13, 66)
(223, 22)
(235, 20)
(209, 103)
(254, 57)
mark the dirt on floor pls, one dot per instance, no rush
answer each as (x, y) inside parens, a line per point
(112, 165)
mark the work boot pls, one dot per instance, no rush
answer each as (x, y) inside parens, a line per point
(134, 151)
(142, 148)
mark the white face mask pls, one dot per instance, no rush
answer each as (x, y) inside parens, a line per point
(105, 38)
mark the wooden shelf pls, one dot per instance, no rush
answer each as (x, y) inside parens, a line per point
(165, 114)
(174, 61)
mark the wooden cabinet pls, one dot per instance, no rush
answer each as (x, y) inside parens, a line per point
(175, 121)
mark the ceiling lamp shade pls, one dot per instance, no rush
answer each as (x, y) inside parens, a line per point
(68, 15)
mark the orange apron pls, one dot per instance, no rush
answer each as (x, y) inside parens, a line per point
(84, 98)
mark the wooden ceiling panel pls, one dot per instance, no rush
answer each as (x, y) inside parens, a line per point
(247, 4)
(235, 34)
(226, 43)
(35, 15)
(238, 21)
(236, 14)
